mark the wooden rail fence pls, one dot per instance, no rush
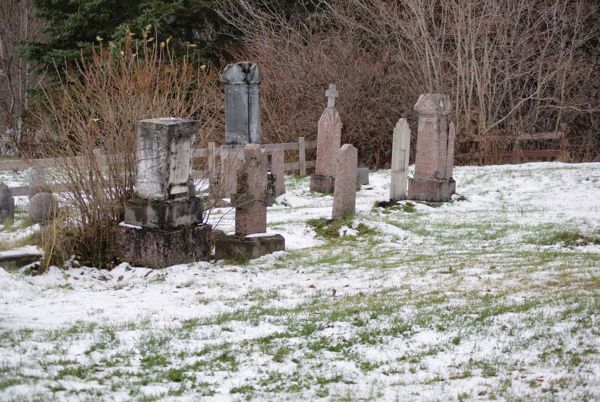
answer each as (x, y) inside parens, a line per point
(211, 154)
(512, 148)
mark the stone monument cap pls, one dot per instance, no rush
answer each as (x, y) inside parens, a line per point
(241, 74)
(433, 104)
(168, 121)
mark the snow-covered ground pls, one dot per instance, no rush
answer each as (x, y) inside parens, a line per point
(495, 295)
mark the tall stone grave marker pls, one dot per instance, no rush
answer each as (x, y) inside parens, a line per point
(328, 144)
(242, 120)
(278, 170)
(251, 197)
(7, 204)
(430, 182)
(400, 157)
(344, 195)
(163, 221)
(250, 239)
(450, 158)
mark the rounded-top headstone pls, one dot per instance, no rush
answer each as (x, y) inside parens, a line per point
(42, 207)
(433, 104)
(7, 204)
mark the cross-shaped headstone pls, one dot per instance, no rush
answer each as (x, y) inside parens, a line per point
(331, 94)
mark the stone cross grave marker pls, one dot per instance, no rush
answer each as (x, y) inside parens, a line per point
(400, 157)
(430, 182)
(331, 94)
(251, 197)
(328, 143)
(344, 196)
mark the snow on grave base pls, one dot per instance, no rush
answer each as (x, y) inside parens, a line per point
(154, 248)
(247, 247)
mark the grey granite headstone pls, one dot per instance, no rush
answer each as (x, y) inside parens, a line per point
(7, 204)
(43, 207)
(242, 103)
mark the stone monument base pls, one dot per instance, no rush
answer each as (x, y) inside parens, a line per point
(322, 184)
(154, 248)
(167, 214)
(429, 189)
(247, 247)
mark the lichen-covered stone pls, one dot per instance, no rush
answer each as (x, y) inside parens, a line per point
(154, 248)
(247, 247)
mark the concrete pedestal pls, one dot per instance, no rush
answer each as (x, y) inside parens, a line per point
(154, 248)
(247, 247)
(168, 214)
(428, 189)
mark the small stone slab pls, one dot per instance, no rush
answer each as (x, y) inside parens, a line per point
(21, 256)
(362, 176)
(154, 248)
(247, 247)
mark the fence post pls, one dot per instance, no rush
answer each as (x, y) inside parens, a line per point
(302, 156)
(211, 159)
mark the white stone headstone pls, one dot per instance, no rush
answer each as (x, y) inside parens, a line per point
(400, 157)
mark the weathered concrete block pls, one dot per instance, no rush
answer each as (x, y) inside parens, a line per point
(429, 189)
(247, 247)
(164, 158)
(154, 248)
(167, 214)
(322, 184)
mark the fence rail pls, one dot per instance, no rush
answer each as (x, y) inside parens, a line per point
(211, 154)
(513, 148)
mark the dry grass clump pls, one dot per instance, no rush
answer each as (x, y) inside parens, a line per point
(89, 123)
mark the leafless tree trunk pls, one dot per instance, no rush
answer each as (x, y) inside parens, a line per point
(17, 76)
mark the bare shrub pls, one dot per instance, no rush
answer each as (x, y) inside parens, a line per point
(517, 65)
(89, 123)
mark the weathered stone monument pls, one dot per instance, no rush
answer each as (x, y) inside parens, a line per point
(400, 158)
(242, 120)
(250, 239)
(278, 170)
(328, 143)
(163, 221)
(433, 160)
(43, 205)
(7, 204)
(344, 195)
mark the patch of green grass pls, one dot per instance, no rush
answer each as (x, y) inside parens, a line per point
(242, 389)
(566, 238)
(281, 353)
(329, 228)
